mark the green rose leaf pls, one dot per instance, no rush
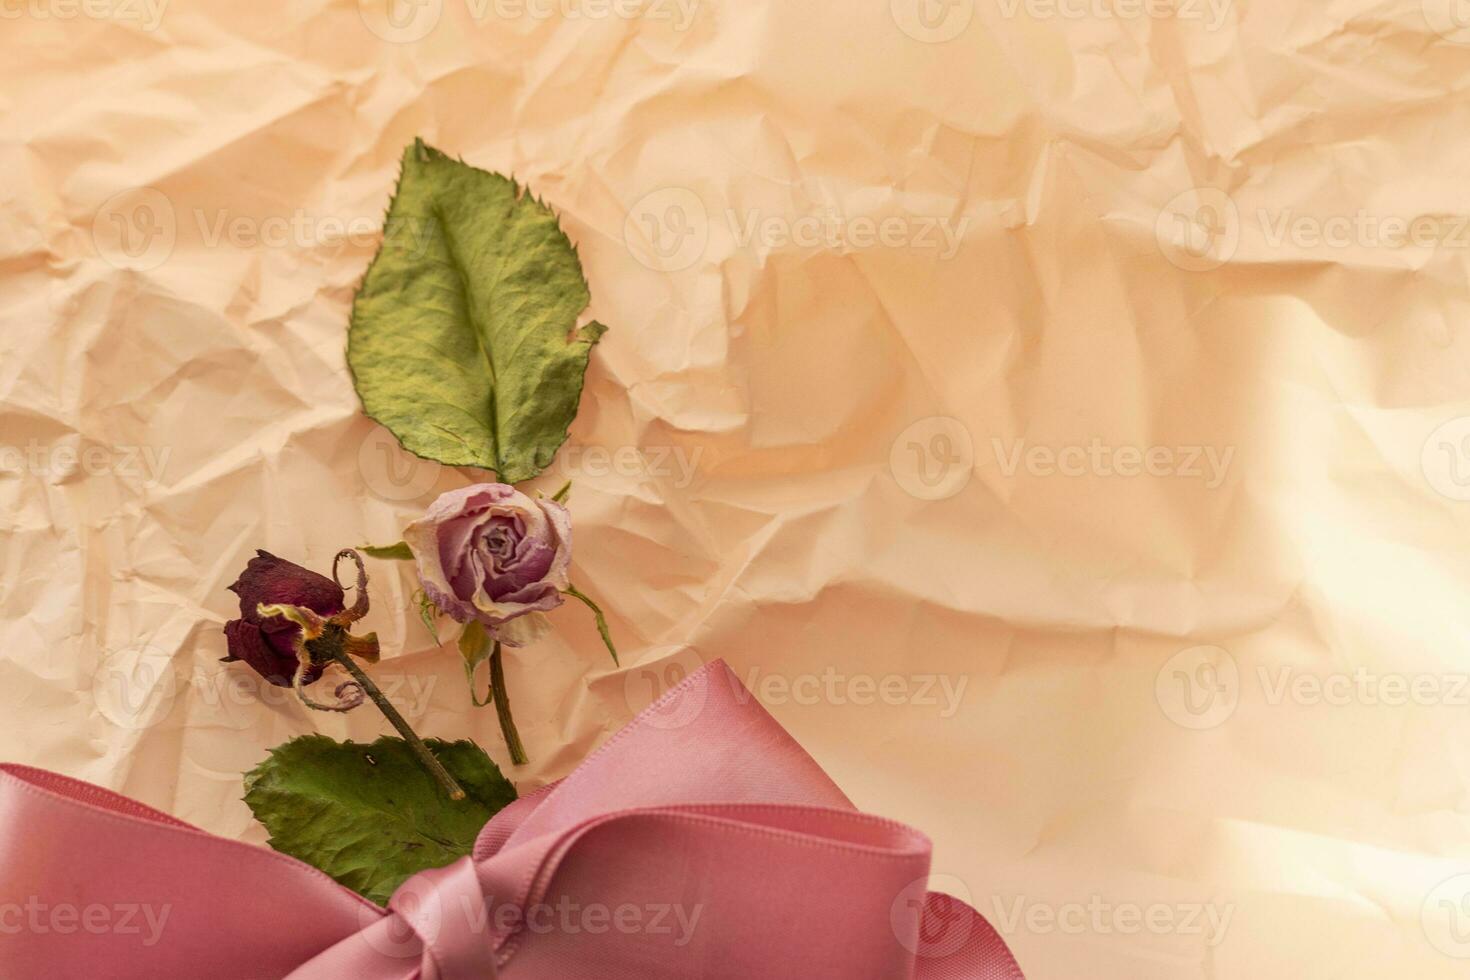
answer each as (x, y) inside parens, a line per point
(369, 815)
(428, 613)
(474, 647)
(463, 339)
(597, 617)
(388, 552)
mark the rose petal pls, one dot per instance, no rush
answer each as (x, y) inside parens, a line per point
(422, 538)
(246, 643)
(560, 519)
(522, 631)
(268, 579)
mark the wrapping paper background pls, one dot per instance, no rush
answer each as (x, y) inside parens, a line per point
(1032, 401)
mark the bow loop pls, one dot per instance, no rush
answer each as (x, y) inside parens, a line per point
(447, 911)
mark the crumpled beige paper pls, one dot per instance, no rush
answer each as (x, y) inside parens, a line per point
(1055, 410)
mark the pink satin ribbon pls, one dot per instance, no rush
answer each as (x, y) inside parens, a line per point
(700, 842)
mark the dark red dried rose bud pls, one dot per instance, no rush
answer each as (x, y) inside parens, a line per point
(268, 644)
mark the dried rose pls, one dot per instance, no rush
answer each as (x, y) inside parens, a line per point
(490, 554)
(292, 620)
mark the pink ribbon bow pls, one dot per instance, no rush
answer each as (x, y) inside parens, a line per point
(700, 842)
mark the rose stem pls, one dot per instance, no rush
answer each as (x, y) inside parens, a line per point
(502, 708)
(427, 758)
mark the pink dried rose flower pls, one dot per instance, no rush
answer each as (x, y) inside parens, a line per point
(490, 554)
